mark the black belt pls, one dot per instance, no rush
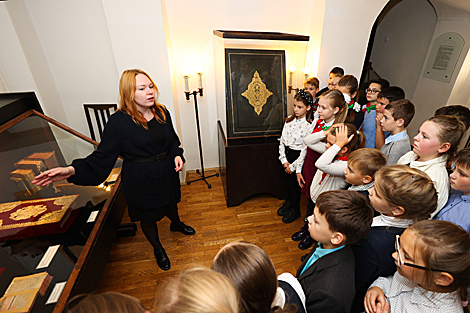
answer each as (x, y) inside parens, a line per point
(154, 158)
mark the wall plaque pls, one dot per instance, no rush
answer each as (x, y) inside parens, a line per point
(444, 56)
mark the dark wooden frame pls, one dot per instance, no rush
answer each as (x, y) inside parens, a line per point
(235, 34)
(91, 262)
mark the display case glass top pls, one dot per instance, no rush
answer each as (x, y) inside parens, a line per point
(43, 229)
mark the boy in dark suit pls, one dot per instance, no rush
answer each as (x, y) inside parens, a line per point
(340, 217)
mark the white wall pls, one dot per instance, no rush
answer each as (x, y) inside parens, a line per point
(431, 94)
(345, 35)
(401, 44)
(14, 67)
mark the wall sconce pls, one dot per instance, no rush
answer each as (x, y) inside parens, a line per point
(291, 74)
(306, 71)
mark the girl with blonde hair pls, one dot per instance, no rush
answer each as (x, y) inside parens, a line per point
(198, 290)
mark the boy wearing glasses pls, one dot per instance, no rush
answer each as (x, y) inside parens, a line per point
(369, 109)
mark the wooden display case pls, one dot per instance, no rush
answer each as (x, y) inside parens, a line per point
(30, 143)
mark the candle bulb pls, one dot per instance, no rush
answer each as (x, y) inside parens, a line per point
(186, 84)
(291, 73)
(306, 72)
(185, 73)
(199, 69)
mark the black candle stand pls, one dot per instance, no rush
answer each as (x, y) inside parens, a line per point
(201, 173)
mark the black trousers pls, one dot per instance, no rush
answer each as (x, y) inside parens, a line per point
(293, 188)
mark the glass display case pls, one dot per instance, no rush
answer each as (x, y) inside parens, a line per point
(54, 240)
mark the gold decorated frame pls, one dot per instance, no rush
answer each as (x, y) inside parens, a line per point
(250, 109)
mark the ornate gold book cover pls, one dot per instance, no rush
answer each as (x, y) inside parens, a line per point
(29, 213)
(256, 100)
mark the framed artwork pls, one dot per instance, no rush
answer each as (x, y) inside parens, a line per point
(256, 101)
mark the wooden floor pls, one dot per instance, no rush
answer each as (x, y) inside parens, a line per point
(132, 269)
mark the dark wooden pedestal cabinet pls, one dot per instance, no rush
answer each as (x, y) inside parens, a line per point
(249, 166)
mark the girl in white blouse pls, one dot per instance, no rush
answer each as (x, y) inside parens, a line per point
(292, 152)
(341, 140)
(433, 271)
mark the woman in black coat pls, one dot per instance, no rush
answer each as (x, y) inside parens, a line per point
(142, 133)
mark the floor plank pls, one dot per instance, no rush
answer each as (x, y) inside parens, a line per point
(132, 269)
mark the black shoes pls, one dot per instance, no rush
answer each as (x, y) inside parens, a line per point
(162, 259)
(303, 257)
(301, 234)
(285, 207)
(306, 243)
(183, 228)
(291, 215)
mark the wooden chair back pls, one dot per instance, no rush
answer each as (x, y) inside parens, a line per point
(100, 117)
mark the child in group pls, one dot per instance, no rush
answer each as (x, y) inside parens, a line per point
(461, 112)
(335, 74)
(311, 86)
(292, 152)
(341, 140)
(369, 109)
(386, 96)
(362, 166)
(433, 271)
(106, 302)
(396, 117)
(348, 86)
(402, 195)
(331, 109)
(198, 289)
(435, 143)
(254, 276)
(457, 208)
(340, 218)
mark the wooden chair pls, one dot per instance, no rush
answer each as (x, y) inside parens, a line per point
(100, 117)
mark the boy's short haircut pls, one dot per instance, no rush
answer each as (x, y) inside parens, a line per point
(382, 82)
(463, 113)
(367, 160)
(337, 71)
(392, 93)
(312, 81)
(350, 82)
(402, 109)
(462, 158)
(347, 212)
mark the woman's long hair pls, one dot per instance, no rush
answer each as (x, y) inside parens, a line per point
(127, 87)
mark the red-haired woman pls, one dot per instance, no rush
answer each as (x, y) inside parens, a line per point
(141, 132)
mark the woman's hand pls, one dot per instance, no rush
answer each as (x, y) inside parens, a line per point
(375, 294)
(178, 163)
(300, 180)
(52, 175)
(342, 138)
